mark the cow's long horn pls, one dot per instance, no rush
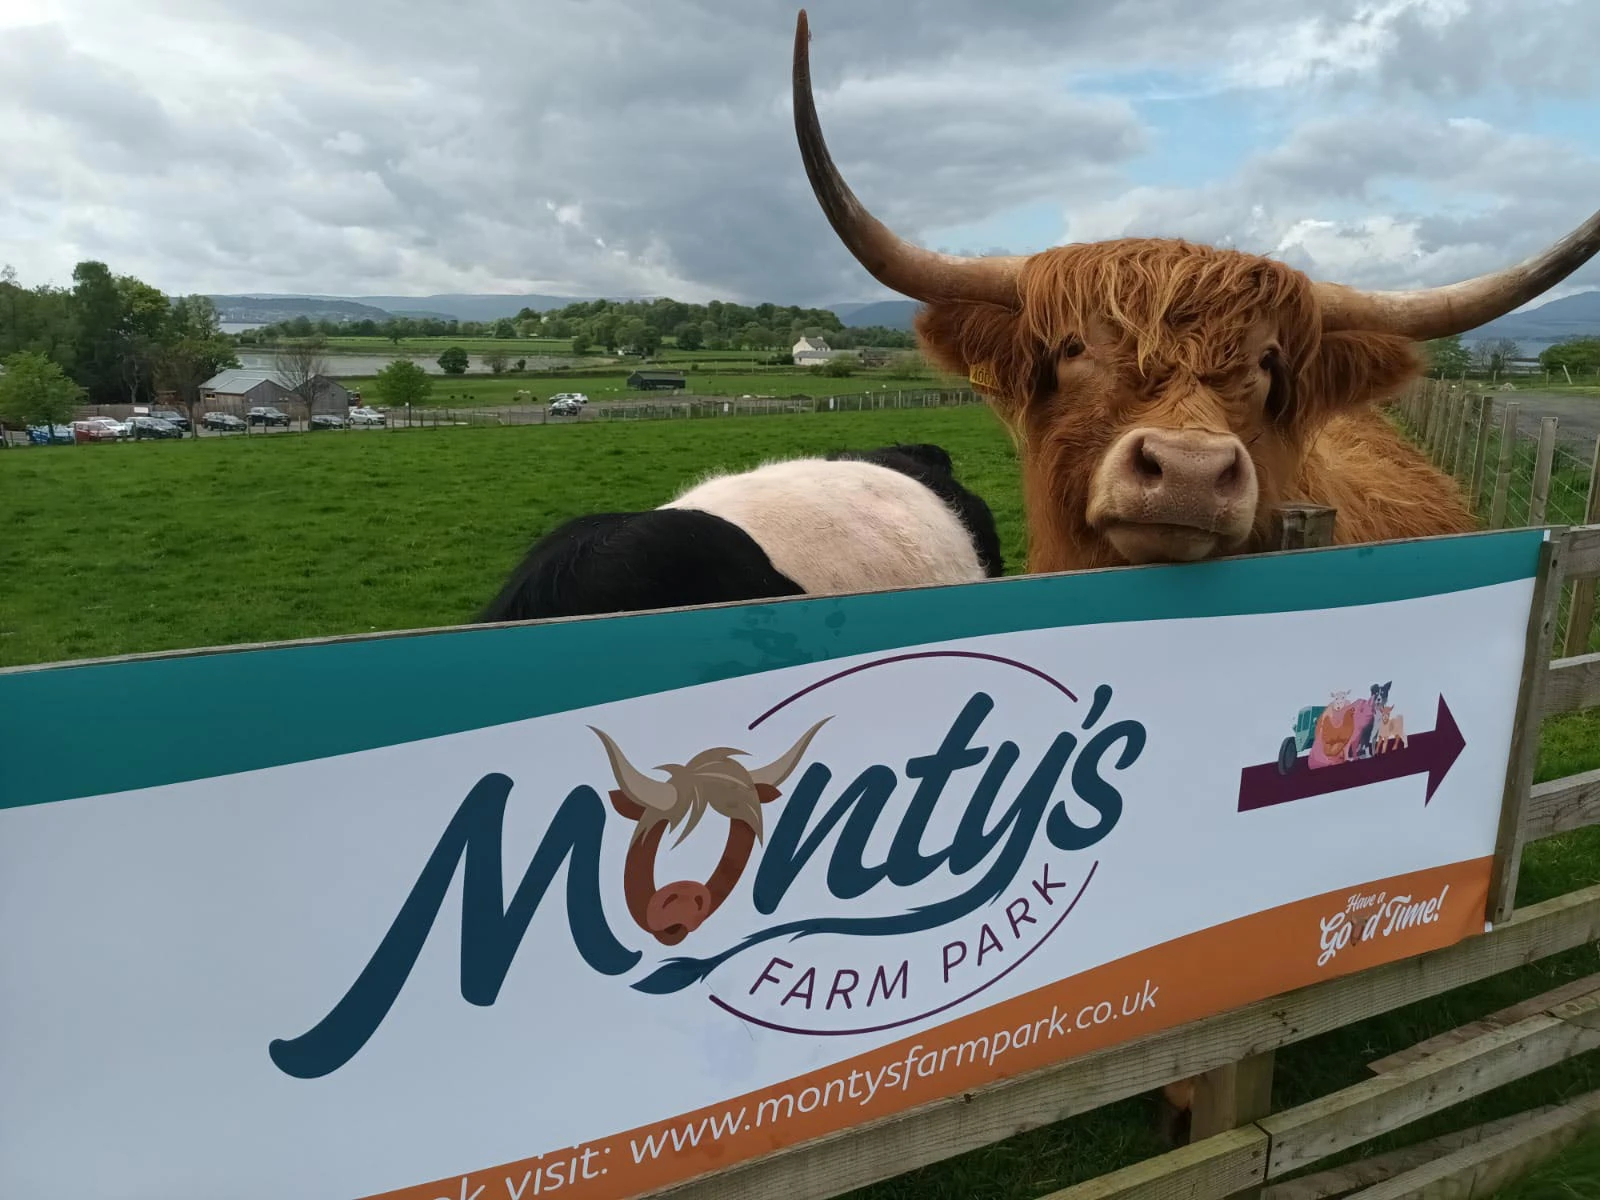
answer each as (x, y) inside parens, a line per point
(651, 793)
(776, 771)
(893, 261)
(1457, 307)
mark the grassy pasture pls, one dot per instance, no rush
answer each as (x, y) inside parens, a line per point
(125, 548)
(483, 390)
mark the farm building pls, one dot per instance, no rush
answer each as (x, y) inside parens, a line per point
(332, 396)
(808, 352)
(238, 390)
(650, 381)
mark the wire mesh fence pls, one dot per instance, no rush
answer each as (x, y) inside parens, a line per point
(1519, 470)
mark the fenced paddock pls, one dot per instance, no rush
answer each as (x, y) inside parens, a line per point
(1519, 472)
(681, 407)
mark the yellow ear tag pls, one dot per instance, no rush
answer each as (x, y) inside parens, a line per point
(982, 378)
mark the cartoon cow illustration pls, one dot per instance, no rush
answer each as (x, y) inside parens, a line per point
(1391, 729)
(711, 779)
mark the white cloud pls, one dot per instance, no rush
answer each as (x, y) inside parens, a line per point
(646, 146)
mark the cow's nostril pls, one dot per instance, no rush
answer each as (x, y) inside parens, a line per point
(1146, 464)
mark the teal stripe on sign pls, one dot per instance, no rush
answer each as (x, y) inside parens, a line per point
(246, 708)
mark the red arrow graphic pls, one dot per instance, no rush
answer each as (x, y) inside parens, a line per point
(1432, 753)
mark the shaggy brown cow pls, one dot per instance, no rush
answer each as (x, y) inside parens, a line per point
(1164, 396)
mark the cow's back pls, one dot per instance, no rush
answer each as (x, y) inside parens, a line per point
(843, 526)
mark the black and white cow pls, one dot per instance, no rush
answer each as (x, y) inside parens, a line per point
(850, 521)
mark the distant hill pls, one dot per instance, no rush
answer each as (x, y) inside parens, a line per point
(888, 314)
(464, 307)
(260, 309)
(1571, 316)
(263, 310)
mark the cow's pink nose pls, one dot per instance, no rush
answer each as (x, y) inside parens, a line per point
(1189, 471)
(685, 903)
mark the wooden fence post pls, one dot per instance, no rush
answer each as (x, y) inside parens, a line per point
(1465, 436)
(1525, 731)
(1448, 428)
(1480, 453)
(1502, 477)
(1539, 495)
(1580, 613)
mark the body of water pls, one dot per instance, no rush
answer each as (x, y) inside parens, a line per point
(343, 363)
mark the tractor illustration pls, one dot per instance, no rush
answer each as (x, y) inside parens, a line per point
(1305, 728)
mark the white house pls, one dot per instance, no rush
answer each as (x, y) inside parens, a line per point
(808, 352)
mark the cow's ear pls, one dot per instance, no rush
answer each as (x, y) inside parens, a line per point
(984, 343)
(1353, 369)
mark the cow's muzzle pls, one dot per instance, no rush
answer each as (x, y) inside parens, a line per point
(1174, 495)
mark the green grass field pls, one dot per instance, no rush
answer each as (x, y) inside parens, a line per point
(479, 390)
(125, 548)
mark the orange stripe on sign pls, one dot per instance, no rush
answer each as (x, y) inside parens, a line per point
(1183, 980)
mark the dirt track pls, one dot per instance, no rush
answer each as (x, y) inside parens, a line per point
(1579, 415)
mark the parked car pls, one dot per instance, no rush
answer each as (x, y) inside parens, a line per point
(46, 435)
(173, 417)
(327, 421)
(98, 429)
(366, 416)
(579, 397)
(222, 422)
(152, 427)
(564, 406)
(268, 415)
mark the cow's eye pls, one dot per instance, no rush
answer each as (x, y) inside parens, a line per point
(1269, 360)
(1072, 348)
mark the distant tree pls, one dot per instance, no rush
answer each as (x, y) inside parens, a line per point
(97, 316)
(1493, 356)
(1579, 354)
(141, 336)
(402, 382)
(453, 361)
(36, 391)
(1447, 356)
(496, 360)
(194, 350)
(690, 337)
(580, 342)
(521, 364)
(505, 327)
(302, 368)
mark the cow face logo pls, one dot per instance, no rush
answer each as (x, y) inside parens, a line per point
(711, 779)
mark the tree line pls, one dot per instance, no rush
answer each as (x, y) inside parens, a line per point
(631, 326)
(1453, 359)
(107, 339)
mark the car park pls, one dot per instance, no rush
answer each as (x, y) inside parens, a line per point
(327, 421)
(366, 416)
(564, 406)
(222, 422)
(173, 417)
(576, 397)
(268, 415)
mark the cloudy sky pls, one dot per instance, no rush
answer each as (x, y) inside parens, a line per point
(584, 147)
